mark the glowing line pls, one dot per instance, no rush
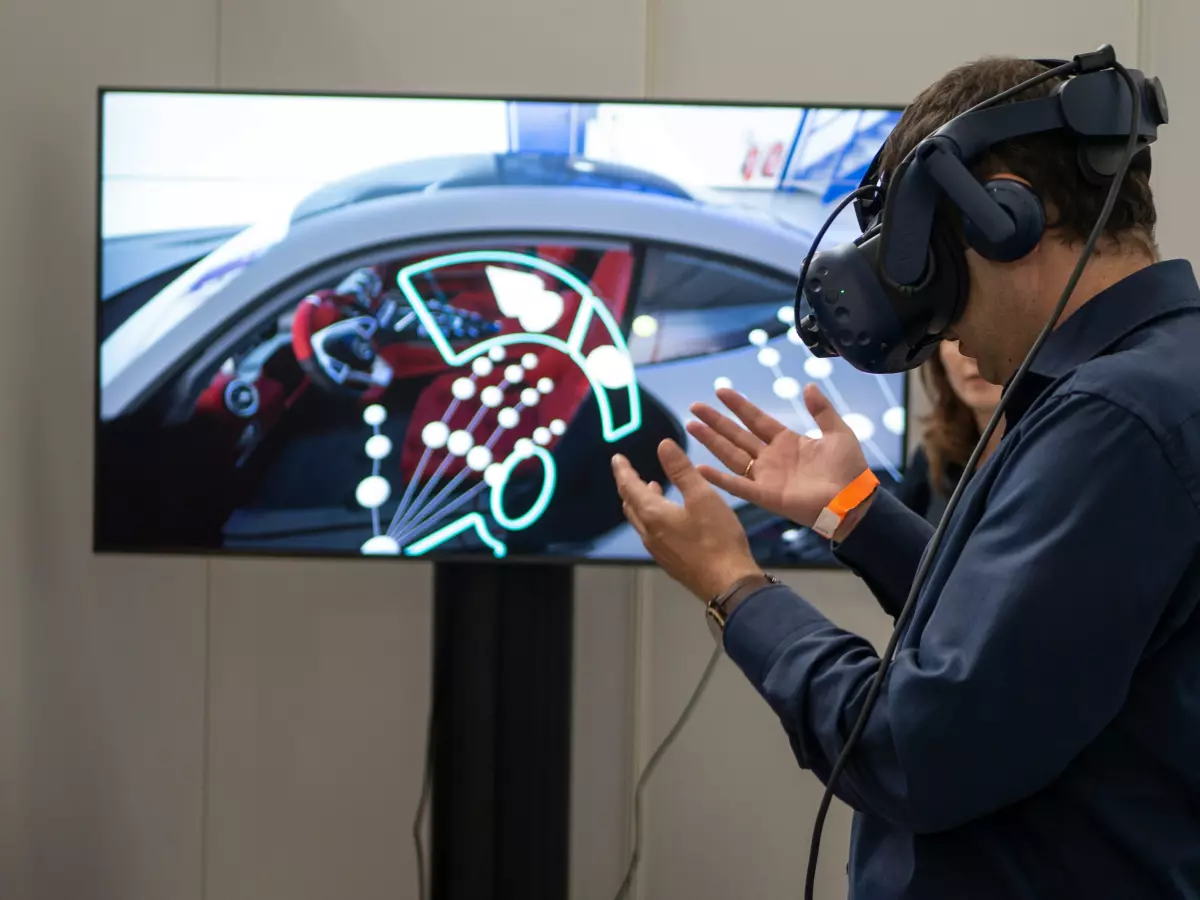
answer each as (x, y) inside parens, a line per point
(412, 486)
(375, 471)
(503, 386)
(420, 470)
(419, 505)
(538, 508)
(888, 395)
(430, 508)
(453, 530)
(498, 432)
(403, 515)
(415, 509)
(440, 514)
(588, 301)
(839, 402)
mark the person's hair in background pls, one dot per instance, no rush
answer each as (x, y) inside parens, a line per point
(961, 403)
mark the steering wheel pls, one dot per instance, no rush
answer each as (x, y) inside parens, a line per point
(336, 334)
(337, 352)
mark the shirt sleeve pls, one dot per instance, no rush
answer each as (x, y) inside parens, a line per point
(885, 548)
(1030, 649)
(914, 489)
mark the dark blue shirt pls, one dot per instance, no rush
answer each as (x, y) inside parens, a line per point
(1038, 735)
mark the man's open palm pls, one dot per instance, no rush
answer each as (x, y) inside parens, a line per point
(772, 467)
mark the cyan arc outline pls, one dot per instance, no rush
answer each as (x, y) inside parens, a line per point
(471, 520)
(590, 305)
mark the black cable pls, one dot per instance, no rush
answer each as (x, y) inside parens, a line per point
(635, 857)
(861, 191)
(936, 540)
(422, 805)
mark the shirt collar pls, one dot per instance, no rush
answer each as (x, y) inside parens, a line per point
(1159, 290)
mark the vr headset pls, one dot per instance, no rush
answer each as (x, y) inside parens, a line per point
(883, 302)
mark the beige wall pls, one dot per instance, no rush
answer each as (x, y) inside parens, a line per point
(177, 728)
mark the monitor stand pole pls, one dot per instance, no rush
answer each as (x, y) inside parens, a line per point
(502, 731)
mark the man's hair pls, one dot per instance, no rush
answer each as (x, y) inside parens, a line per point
(1047, 161)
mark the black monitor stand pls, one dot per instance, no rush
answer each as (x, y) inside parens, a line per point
(502, 731)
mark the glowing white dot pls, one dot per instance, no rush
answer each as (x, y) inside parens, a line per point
(379, 446)
(545, 385)
(609, 366)
(460, 442)
(558, 428)
(722, 383)
(814, 433)
(372, 492)
(893, 420)
(645, 326)
(523, 448)
(514, 374)
(463, 389)
(529, 360)
(508, 417)
(758, 337)
(769, 357)
(786, 315)
(793, 337)
(381, 545)
(497, 354)
(786, 388)
(491, 396)
(530, 397)
(862, 427)
(791, 535)
(493, 475)
(479, 458)
(434, 435)
(542, 436)
(816, 367)
(482, 366)
(374, 415)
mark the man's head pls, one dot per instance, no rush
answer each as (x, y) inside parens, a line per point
(1009, 303)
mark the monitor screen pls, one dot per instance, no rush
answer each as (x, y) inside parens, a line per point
(421, 327)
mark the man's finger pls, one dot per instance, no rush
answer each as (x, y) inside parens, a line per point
(742, 488)
(641, 498)
(760, 424)
(631, 516)
(728, 429)
(680, 470)
(733, 457)
(629, 483)
(822, 410)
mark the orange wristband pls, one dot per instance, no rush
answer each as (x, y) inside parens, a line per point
(849, 498)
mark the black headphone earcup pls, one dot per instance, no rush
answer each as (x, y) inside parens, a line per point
(1025, 209)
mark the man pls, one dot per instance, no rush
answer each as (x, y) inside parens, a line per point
(1038, 734)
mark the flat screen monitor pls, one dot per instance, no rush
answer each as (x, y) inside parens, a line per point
(422, 326)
